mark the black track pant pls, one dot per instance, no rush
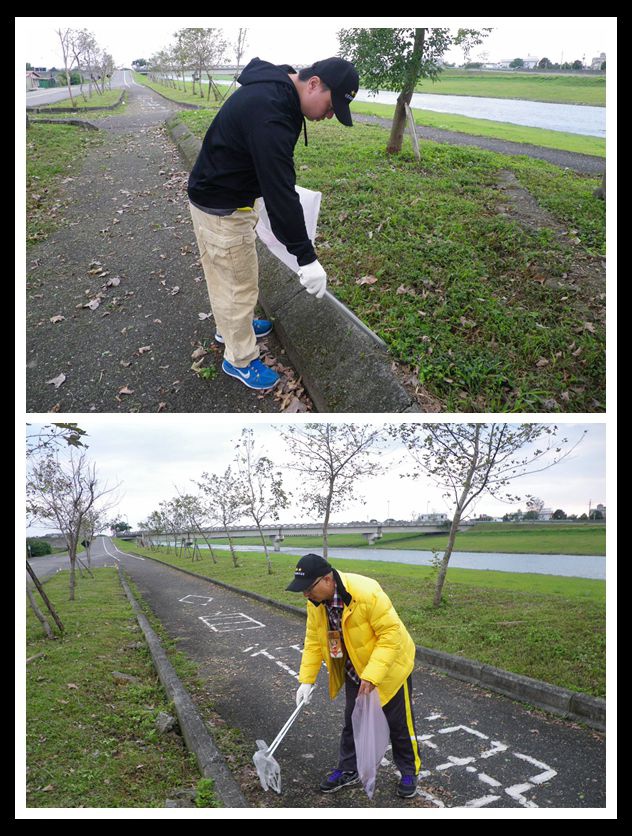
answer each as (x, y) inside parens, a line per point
(399, 714)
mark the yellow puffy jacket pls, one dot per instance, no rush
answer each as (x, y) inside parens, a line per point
(379, 646)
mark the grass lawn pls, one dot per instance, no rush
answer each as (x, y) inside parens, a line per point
(547, 627)
(53, 153)
(536, 87)
(473, 302)
(91, 741)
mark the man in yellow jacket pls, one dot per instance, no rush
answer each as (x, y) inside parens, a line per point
(353, 627)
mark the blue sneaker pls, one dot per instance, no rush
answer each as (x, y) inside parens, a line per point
(255, 375)
(261, 327)
(407, 787)
(338, 779)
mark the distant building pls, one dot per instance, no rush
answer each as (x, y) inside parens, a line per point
(596, 63)
(545, 514)
(432, 518)
(32, 80)
(528, 63)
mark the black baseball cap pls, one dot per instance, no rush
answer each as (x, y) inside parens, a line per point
(342, 79)
(309, 568)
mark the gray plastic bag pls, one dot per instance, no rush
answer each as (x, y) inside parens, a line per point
(371, 735)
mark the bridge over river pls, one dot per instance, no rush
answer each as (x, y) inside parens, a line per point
(372, 531)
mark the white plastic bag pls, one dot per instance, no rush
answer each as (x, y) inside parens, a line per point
(371, 736)
(310, 201)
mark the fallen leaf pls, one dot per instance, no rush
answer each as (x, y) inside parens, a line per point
(296, 405)
(588, 326)
(366, 280)
(93, 304)
(57, 381)
(126, 391)
(72, 685)
(542, 362)
(113, 282)
(144, 349)
(58, 318)
(199, 352)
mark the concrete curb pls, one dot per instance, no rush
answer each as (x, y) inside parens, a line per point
(570, 705)
(196, 735)
(342, 367)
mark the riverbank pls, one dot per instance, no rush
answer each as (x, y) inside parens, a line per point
(508, 538)
(544, 627)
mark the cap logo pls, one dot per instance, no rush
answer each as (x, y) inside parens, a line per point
(351, 96)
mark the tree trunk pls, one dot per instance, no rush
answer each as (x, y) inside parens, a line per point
(399, 124)
(39, 614)
(40, 589)
(265, 547)
(232, 547)
(326, 520)
(443, 569)
(399, 119)
(72, 554)
(461, 504)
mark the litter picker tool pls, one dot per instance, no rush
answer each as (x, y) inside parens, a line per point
(268, 769)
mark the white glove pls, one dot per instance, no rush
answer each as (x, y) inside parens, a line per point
(304, 693)
(313, 278)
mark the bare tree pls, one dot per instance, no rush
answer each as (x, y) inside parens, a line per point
(193, 511)
(260, 486)
(471, 459)
(65, 39)
(64, 493)
(223, 502)
(331, 458)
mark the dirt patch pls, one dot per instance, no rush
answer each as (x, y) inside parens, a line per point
(587, 273)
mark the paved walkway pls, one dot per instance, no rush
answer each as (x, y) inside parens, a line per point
(129, 247)
(478, 749)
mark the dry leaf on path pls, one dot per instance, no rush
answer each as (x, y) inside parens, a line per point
(57, 381)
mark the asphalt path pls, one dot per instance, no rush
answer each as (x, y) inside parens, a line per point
(127, 249)
(478, 749)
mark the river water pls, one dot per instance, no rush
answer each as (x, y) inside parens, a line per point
(573, 119)
(566, 565)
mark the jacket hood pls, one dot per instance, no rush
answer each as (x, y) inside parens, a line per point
(257, 71)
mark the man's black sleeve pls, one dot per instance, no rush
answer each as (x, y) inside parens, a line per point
(271, 145)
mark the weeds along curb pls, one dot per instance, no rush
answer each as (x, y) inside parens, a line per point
(196, 735)
(341, 364)
(570, 705)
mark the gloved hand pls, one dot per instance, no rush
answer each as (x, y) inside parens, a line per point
(304, 693)
(313, 278)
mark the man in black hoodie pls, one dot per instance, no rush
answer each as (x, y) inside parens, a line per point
(248, 152)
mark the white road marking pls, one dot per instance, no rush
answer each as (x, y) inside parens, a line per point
(125, 554)
(204, 597)
(230, 622)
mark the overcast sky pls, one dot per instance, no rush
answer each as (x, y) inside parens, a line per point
(153, 456)
(303, 40)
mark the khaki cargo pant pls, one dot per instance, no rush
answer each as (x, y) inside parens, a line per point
(229, 258)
